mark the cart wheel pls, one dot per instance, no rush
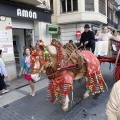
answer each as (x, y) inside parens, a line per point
(117, 73)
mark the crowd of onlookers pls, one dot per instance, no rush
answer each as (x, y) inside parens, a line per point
(89, 38)
(106, 34)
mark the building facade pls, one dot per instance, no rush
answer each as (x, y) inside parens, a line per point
(118, 14)
(112, 8)
(21, 25)
(72, 15)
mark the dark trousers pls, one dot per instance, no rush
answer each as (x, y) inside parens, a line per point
(91, 45)
(1, 86)
(2, 82)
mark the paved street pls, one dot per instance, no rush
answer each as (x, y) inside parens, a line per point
(25, 107)
(33, 34)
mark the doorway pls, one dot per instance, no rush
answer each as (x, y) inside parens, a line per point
(21, 38)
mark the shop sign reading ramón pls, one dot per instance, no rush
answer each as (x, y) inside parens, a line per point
(26, 13)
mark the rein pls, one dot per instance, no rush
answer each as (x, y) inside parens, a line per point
(71, 55)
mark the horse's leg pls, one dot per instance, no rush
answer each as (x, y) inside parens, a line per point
(87, 93)
(50, 94)
(65, 105)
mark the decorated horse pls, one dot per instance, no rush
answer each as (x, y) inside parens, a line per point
(63, 66)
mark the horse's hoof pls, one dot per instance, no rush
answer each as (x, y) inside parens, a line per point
(86, 95)
(65, 108)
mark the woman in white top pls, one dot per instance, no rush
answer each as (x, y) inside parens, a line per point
(105, 36)
(102, 46)
(115, 36)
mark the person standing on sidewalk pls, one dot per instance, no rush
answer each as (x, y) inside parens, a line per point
(25, 69)
(87, 39)
(4, 72)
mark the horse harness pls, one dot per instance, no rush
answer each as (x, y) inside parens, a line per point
(60, 68)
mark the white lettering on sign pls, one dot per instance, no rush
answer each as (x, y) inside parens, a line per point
(26, 13)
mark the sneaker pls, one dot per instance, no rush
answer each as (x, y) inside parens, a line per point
(4, 91)
(0, 96)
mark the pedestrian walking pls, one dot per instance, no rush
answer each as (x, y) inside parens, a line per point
(87, 39)
(25, 69)
(3, 73)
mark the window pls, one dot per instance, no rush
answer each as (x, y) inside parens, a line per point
(69, 9)
(102, 7)
(63, 5)
(75, 5)
(89, 5)
(110, 12)
(69, 5)
(51, 5)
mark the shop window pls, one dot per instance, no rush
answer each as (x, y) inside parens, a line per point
(69, 5)
(89, 5)
(102, 7)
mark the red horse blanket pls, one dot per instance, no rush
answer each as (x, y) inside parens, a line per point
(93, 64)
(94, 77)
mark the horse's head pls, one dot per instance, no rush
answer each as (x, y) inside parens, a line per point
(48, 58)
(35, 63)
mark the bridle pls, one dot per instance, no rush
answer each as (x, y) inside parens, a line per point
(43, 60)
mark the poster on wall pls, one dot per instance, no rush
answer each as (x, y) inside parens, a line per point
(7, 48)
(4, 35)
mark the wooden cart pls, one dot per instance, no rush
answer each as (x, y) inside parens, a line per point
(115, 58)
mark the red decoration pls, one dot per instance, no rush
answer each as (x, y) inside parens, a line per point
(55, 87)
(41, 43)
(34, 53)
(78, 33)
(8, 27)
